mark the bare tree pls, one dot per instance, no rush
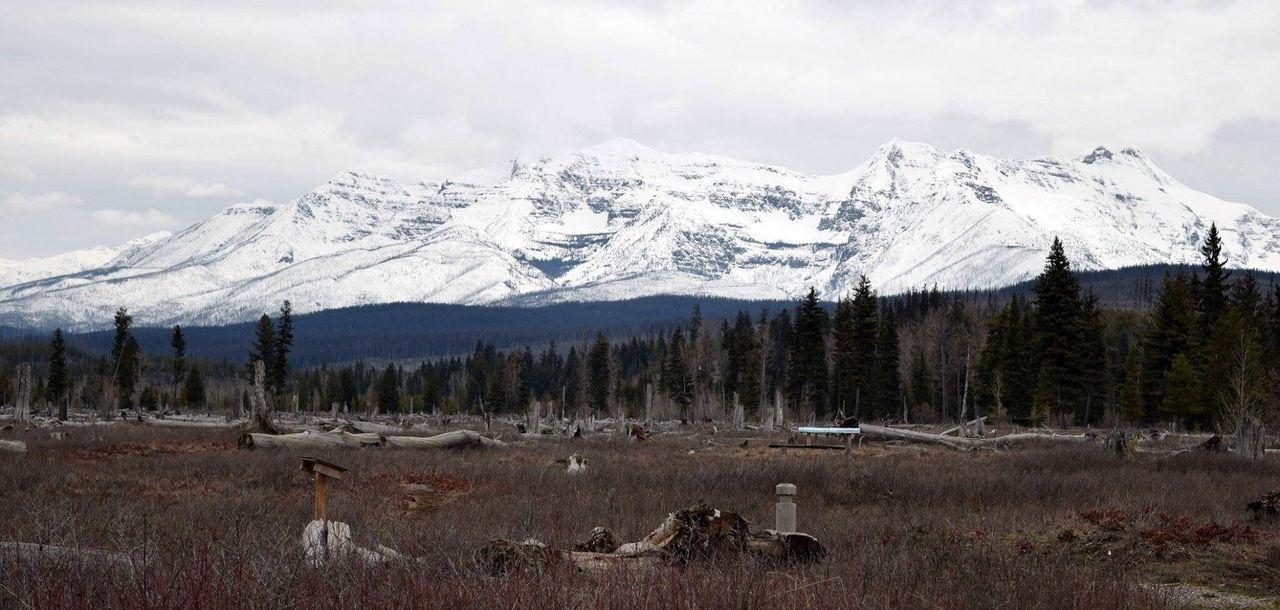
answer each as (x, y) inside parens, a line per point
(1241, 396)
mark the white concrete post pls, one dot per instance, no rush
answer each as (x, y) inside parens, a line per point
(784, 513)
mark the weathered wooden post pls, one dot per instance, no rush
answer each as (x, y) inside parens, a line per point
(322, 470)
(784, 512)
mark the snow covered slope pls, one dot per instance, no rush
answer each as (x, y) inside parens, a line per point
(621, 220)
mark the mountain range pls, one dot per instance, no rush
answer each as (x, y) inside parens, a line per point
(621, 220)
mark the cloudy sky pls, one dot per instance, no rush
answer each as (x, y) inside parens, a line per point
(122, 118)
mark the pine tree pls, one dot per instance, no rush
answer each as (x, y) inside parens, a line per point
(388, 391)
(1057, 332)
(1172, 332)
(124, 353)
(1131, 409)
(1213, 287)
(264, 349)
(844, 369)
(179, 345)
(1246, 298)
(921, 384)
(598, 375)
(807, 365)
(1091, 357)
(866, 385)
(675, 374)
(283, 344)
(1181, 399)
(193, 389)
(148, 400)
(57, 382)
(888, 395)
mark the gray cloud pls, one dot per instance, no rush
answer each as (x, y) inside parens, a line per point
(101, 98)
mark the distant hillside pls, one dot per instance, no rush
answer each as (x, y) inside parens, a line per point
(419, 330)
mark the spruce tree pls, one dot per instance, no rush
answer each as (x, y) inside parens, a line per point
(866, 385)
(598, 375)
(264, 349)
(124, 354)
(807, 365)
(1131, 403)
(675, 374)
(57, 382)
(1058, 312)
(388, 391)
(1181, 400)
(1213, 286)
(193, 389)
(888, 379)
(1172, 332)
(1091, 357)
(283, 345)
(179, 369)
(844, 367)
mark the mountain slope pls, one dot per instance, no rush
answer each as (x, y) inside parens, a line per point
(621, 220)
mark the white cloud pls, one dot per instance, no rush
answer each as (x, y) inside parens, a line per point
(38, 202)
(192, 97)
(182, 186)
(18, 172)
(144, 219)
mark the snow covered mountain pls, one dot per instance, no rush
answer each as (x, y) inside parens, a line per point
(20, 271)
(621, 220)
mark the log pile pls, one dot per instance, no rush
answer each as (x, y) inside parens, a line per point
(692, 535)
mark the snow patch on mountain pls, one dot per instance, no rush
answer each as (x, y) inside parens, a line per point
(621, 220)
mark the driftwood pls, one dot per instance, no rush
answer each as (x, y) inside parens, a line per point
(189, 423)
(375, 428)
(341, 439)
(13, 446)
(955, 442)
(966, 426)
(698, 533)
(333, 439)
(30, 551)
(455, 438)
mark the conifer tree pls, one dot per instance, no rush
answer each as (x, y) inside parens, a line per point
(1131, 407)
(598, 376)
(282, 346)
(193, 389)
(807, 365)
(888, 379)
(57, 382)
(1181, 400)
(388, 391)
(179, 369)
(1057, 332)
(865, 384)
(1172, 332)
(675, 374)
(1091, 357)
(844, 365)
(264, 349)
(1213, 286)
(124, 355)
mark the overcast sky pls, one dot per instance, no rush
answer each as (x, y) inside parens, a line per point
(122, 118)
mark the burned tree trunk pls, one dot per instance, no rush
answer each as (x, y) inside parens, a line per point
(22, 412)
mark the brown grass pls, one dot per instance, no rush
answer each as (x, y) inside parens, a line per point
(210, 526)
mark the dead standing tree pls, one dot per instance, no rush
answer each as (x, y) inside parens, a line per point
(23, 409)
(262, 417)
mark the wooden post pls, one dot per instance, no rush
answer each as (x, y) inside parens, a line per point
(784, 513)
(323, 470)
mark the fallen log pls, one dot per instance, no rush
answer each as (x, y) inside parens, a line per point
(455, 438)
(961, 443)
(334, 439)
(374, 427)
(341, 439)
(955, 429)
(13, 446)
(188, 423)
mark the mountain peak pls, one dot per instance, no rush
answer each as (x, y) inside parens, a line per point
(618, 147)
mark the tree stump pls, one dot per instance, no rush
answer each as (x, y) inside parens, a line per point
(1123, 443)
(1251, 439)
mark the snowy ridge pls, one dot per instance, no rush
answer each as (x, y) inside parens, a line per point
(621, 220)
